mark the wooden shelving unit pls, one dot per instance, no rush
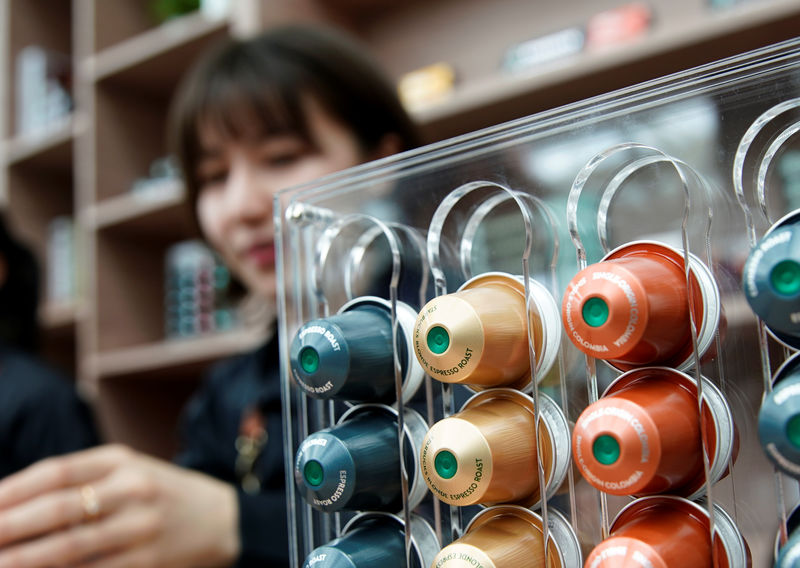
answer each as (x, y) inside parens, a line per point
(125, 69)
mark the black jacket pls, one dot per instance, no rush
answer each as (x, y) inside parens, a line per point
(41, 414)
(210, 427)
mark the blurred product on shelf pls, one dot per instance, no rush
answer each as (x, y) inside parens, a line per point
(427, 85)
(197, 298)
(530, 54)
(43, 86)
(160, 183)
(62, 286)
(618, 25)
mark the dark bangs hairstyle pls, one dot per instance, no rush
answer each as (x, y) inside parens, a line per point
(253, 88)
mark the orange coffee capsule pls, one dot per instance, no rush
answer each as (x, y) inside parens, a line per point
(670, 532)
(643, 436)
(632, 308)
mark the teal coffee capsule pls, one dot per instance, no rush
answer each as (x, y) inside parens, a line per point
(771, 279)
(377, 539)
(349, 356)
(355, 465)
(779, 418)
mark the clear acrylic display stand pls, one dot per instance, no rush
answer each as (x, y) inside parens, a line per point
(696, 167)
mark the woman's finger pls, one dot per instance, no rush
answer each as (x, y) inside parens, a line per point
(72, 470)
(71, 506)
(83, 543)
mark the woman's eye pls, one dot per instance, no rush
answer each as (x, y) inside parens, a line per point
(212, 178)
(283, 159)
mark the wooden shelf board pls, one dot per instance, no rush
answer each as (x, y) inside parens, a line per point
(135, 212)
(174, 353)
(500, 88)
(58, 315)
(187, 35)
(51, 149)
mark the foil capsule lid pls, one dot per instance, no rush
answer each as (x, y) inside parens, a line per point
(779, 418)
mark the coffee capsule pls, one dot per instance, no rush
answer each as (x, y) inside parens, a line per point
(632, 308)
(355, 465)
(771, 280)
(509, 536)
(788, 555)
(643, 435)
(349, 356)
(377, 539)
(779, 418)
(670, 532)
(478, 336)
(487, 452)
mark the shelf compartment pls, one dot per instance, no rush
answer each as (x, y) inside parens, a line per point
(165, 357)
(150, 59)
(51, 150)
(140, 215)
(684, 34)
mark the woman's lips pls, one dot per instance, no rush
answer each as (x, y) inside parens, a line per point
(262, 255)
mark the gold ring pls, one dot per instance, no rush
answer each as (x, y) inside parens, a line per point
(89, 503)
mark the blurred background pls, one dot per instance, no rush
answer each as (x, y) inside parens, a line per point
(133, 306)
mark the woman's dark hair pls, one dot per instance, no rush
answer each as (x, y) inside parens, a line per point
(252, 88)
(19, 293)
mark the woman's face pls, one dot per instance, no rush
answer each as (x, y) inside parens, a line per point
(238, 181)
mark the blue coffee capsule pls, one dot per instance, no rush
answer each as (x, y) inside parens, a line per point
(376, 539)
(789, 555)
(355, 465)
(779, 418)
(349, 356)
(771, 279)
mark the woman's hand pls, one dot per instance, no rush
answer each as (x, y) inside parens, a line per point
(111, 506)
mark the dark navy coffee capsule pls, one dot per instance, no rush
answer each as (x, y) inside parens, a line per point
(789, 555)
(779, 418)
(349, 356)
(771, 279)
(355, 465)
(376, 539)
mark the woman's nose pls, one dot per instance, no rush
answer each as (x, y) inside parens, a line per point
(245, 196)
